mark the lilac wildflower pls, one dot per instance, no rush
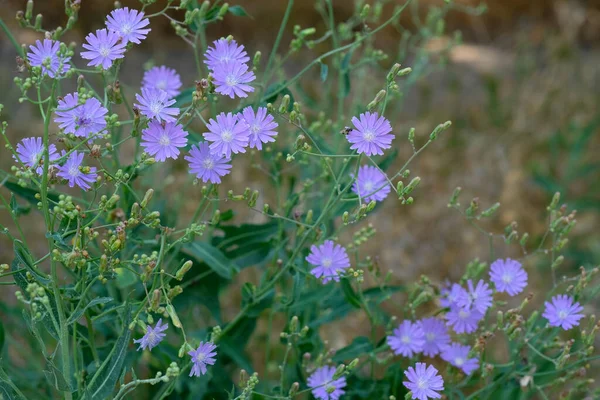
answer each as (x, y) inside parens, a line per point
(82, 120)
(450, 294)
(104, 47)
(153, 336)
(162, 78)
(424, 382)
(128, 24)
(371, 134)
(66, 112)
(261, 126)
(371, 184)
(563, 311)
(201, 357)
(207, 166)
(72, 172)
(478, 297)
(224, 52)
(458, 355)
(154, 103)
(227, 135)
(232, 79)
(324, 386)
(508, 276)
(163, 141)
(46, 55)
(330, 260)
(435, 335)
(31, 153)
(463, 320)
(407, 339)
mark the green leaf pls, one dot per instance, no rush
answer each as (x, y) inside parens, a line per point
(26, 259)
(80, 310)
(8, 390)
(359, 346)
(324, 71)
(2, 337)
(245, 234)
(125, 278)
(56, 378)
(350, 294)
(212, 256)
(27, 193)
(184, 97)
(16, 208)
(238, 11)
(248, 291)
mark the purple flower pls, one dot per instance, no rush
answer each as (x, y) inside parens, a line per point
(31, 153)
(324, 386)
(103, 48)
(201, 357)
(371, 134)
(207, 166)
(128, 24)
(153, 336)
(223, 52)
(72, 172)
(508, 276)
(407, 339)
(154, 103)
(261, 126)
(227, 135)
(330, 260)
(463, 320)
(478, 297)
(435, 334)
(82, 120)
(163, 141)
(162, 78)
(458, 355)
(450, 294)
(232, 79)
(563, 311)
(45, 54)
(371, 184)
(423, 382)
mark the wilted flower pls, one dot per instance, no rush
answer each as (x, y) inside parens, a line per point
(128, 24)
(153, 336)
(261, 126)
(163, 141)
(31, 153)
(458, 355)
(46, 55)
(330, 260)
(154, 103)
(104, 47)
(463, 320)
(162, 78)
(371, 184)
(324, 386)
(435, 335)
(232, 79)
(478, 297)
(201, 357)
(227, 135)
(423, 382)
(224, 52)
(207, 166)
(407, 339)
(71, 171)
(563, 311)
(371, 134)
(508, 276)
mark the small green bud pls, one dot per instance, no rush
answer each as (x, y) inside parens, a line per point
(345, 217)
(438, 129)
(183, 270)
(364, 13)
(223, 10)
(285, 102)
(371, 205)
(294, 389)
(29, 10)
(173, 315)
(155, 302)
(253, 198)
(378, 98)
(216, 217)
(559, 260)
(266, 208)
(38, 21)
(147, 198)
(404, 71)
(554, 202)
(256, 59)
(490, 211)
(412, 185)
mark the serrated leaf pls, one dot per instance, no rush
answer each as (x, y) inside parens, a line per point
(80, 310)
(238, 11)
(212, 257)
(324, 71)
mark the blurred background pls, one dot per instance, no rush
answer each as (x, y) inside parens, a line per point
(522, 90)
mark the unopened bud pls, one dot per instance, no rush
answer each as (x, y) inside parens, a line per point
(216, 217)
(147, 198)
(183, 270)
(285, 102)
(378, 98)
(412, 185)
(490, 211)
(404, 71)
(155, 303)
(294, 389)
(438, 129)
(223, 10)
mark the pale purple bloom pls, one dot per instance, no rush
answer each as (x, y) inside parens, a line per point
(508, 276)
(478, 297)
(371, 184)
(104, 47)
(323, 384)
(207, 166)
(201, 357)
(330, 260)
(563, 311)
(224, 52)
(423, 382)
(463, 320)
(227, 135)
(31, 153)
(162, 141)
(407, 339)
(232, 79)
(154, 103)
(82, 120)
(458, 355)
(46, 55)
(450, 294)
(435, 335)
(261, 126)
(128, 24)
(71, 171)
(67, 113)
(153, 336)
(371, 134)
(162, 78)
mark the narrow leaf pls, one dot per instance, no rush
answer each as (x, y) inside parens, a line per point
(213, 257)
(238, 11)
(324, 71)
(80, 310)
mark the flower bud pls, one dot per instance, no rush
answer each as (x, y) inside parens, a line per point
(404, 71)
(294, 389)
(216, 217)
(371, 205)
(183, 270)
(29, 10)
(147, 198)
(38, 21)
(378, 98)
(364, 13)
(345, 217)
(412, 185)
(253, 198)
(554, 202)
(173, 315)
(438, 129)
(223, 10)
(339, 371)
(490, 211)
(285, 102)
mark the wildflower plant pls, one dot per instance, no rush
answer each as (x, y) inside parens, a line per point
(129, 297)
